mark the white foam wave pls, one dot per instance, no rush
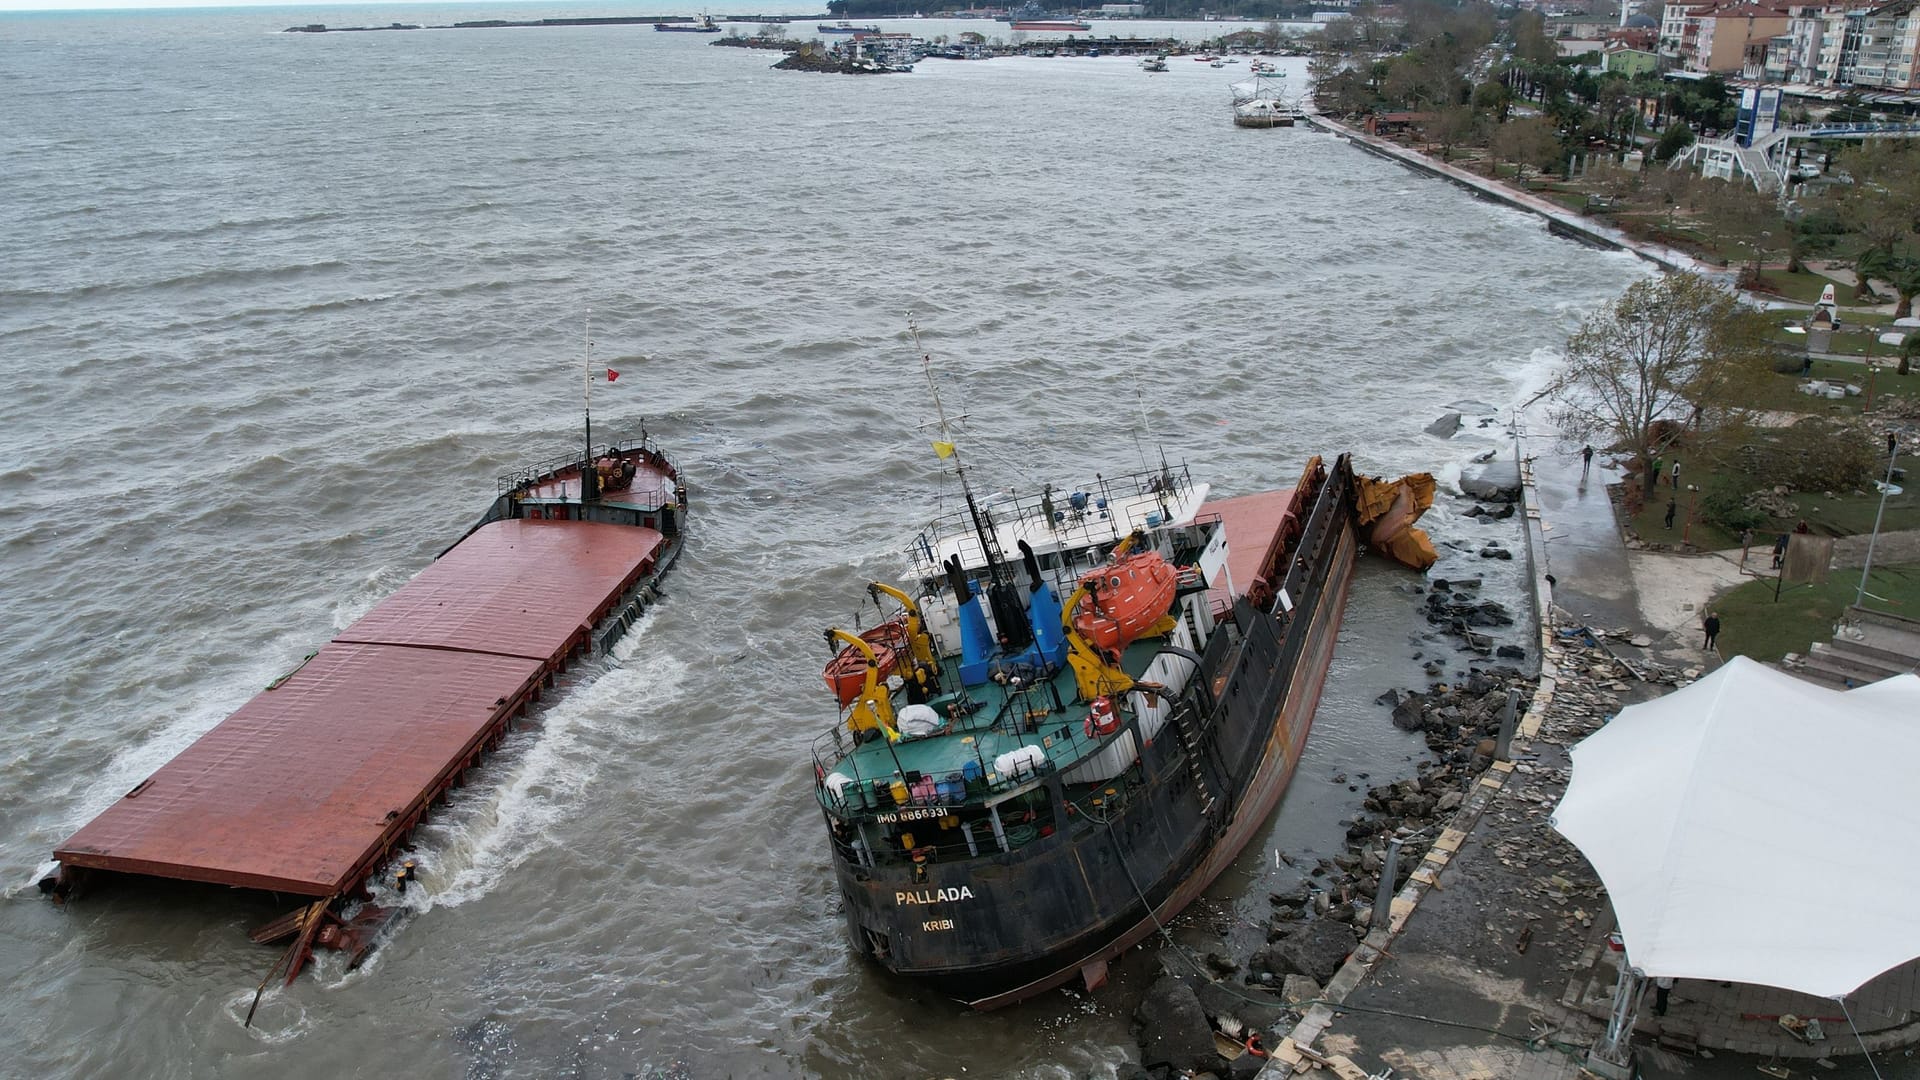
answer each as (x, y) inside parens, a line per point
(279, 1019)
(494, 825)
(375, 587)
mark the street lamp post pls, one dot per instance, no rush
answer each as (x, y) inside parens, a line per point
(1886, 488)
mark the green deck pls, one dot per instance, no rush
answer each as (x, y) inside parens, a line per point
(977, 737)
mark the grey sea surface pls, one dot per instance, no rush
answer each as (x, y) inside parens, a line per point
(276, 309)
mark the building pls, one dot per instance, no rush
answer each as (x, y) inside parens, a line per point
(1628, 61)
(1889, 39)
(1729, 38)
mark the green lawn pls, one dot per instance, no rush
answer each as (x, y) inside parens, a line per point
(1753, 623)
(1650, 523)
(1803, 287)
(1844, 514)
(1781, 392)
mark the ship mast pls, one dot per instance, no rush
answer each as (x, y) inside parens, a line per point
(589, 479)
(1008, 614)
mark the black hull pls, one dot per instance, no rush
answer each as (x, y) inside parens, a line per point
(995, 929)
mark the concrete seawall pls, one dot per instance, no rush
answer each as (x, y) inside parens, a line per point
(1560, 221)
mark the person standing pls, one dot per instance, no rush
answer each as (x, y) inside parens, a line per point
(1779, 550)
(1674, 472)
(1586, 457)
(1712, 627)
(1662, 987)
(1746, 541)
(1658, 463)
(1672, 505)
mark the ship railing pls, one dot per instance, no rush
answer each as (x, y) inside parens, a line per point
(559, 463)
(1087, 523)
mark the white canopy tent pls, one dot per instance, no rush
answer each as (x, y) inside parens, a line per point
(1759, 829)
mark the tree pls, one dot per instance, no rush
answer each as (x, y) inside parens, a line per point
(1450, 127)
(1661, 359)
(1493, 97)
(1271, 36)
(1529, 142)
(1530, 42)
(1745, 218)
(1676, 138)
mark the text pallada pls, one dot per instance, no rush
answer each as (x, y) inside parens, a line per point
(932, 896)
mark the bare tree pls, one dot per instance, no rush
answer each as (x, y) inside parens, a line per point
(1672, 354)
(1528, 142)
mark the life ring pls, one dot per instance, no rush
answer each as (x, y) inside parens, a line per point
(1101, 720)
(1253, 1045)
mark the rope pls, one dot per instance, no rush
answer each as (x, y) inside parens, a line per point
(1864, 1052)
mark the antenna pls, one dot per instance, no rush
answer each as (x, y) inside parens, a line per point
(589, 480)
(1014, 630)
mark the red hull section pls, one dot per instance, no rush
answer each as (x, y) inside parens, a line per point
(309, 785)
(516, 588)
(304, 788)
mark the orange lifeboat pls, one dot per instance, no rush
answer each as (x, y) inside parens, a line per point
(1124, 598)
(846, 673)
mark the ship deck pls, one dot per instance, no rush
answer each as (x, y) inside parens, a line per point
(309, 785)
(651, 489)
(1251, 523)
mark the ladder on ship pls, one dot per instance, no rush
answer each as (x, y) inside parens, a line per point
(1193, 743)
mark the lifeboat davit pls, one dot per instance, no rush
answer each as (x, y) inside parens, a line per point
(1124, 598)
(846, 673)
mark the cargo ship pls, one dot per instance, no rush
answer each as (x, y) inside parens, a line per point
(702, 25)
(1043, 25)
(312, 788)
(1080, 709)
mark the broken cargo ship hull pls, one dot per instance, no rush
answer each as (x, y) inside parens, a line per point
(996, 928)
(310, 787)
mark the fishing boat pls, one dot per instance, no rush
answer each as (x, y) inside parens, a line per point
(703, 25)
(314, 785)
(1082, 705)
(1262, 102)
(1154, 63)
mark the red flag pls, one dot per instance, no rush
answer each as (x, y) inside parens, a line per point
(612, 375)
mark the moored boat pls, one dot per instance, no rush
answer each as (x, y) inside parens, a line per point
(1060, 776)
(844, 27)
(703, 25)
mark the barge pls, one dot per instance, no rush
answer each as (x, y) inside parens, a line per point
(310, 789)
(1080, 710)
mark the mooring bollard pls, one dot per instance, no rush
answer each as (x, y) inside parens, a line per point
(1390, 869)
(1508, 715)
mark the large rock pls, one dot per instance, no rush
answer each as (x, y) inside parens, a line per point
(1408, 714)
(1446, 426)
(1316, 950)
(1495, 481)
(1172, 1028)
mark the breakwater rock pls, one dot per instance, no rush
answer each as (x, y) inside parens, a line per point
(811, 57)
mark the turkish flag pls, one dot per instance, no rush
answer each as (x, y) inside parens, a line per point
(612, 375)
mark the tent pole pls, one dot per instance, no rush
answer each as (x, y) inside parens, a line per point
(1612, 1053)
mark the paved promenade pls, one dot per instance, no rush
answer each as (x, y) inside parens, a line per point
(1495, 964)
